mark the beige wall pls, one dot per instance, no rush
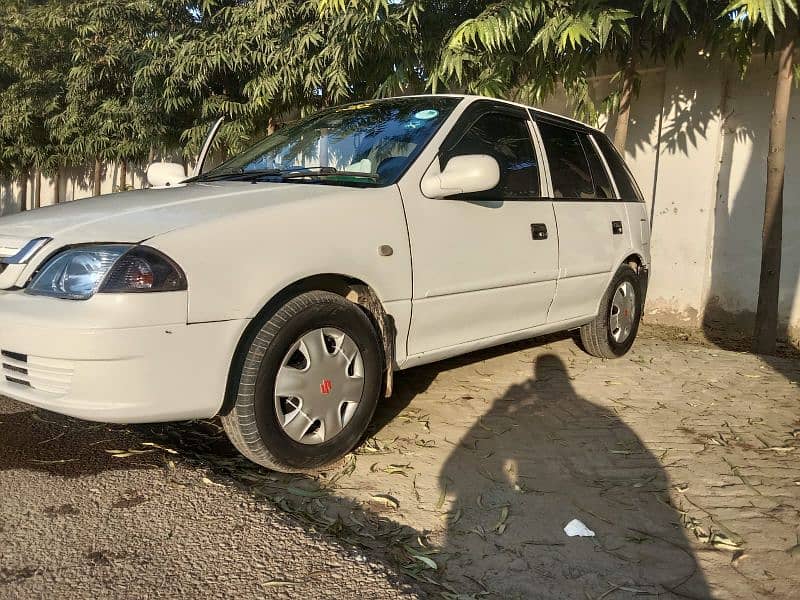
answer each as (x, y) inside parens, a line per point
(75, 183)
(697, 143)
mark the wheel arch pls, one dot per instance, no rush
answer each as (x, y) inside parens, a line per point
(349, 287)
(634, 259)
(637, 261)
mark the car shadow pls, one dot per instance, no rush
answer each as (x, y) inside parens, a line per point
(412, 382)
(39, 440)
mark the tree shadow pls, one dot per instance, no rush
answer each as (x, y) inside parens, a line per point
(62, 447)
(728, 317)
(77, 181)
(9, 197)
(701, 133)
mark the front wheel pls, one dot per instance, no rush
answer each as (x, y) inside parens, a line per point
(612, 333)
(309, 385)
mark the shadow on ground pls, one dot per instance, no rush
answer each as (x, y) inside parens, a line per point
(561, 455)
(539, 456)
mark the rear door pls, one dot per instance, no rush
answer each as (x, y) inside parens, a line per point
(593, 227)
(628, 191)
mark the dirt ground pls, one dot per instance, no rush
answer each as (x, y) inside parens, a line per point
(682, 459)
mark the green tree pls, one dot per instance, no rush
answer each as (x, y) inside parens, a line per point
(265, 60)
(34, 57)
(107, 117)
(526, 48)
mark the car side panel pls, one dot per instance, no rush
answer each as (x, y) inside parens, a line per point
(478, 271)
(255, 255)
(587, 250)
(639, 226)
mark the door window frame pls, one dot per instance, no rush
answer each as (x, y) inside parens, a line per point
(578, 128)
(481, 108)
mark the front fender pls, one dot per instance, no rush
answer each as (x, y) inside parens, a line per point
(236, 263)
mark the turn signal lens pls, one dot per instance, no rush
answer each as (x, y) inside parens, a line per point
(144, 269)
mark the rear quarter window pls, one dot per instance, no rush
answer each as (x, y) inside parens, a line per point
(602, 184)
(626, 184)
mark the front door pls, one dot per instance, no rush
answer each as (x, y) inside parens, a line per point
(484, 264)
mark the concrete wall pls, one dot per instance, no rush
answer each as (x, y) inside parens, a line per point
(697, 143)
(74, 183)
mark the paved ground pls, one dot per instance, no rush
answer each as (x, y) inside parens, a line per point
(682, 459)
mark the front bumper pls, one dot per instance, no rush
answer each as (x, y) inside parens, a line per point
(89, 359)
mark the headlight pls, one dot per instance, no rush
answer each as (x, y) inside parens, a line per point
(81, 272)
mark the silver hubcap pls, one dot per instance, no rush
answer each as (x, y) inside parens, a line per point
(319, 385)
(623, 312)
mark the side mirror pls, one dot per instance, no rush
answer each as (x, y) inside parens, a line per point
(462, 175)
(163, 175)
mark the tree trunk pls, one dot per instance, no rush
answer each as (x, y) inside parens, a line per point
(98, 170)
(123, 175)
(765, 336)
(37, 192)
(271, 126)
(23, 192)
(626, 97)
(57, 186)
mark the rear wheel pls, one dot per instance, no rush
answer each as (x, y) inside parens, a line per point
(613, 331)
(309, 385)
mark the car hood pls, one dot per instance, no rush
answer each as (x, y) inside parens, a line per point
(133, 217)
(138, 215)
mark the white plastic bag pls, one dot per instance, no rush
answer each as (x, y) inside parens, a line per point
(576, 527)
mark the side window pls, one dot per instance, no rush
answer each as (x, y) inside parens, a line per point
(602, 184)
(569, 169)
(628, 190)
(507, 139)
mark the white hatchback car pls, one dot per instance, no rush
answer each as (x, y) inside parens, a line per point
(282, 289)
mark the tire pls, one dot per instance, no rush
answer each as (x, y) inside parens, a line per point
(604, 337)
(310, 336)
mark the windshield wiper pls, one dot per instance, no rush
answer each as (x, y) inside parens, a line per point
(301, 172)
(241, 175)
(326, 172)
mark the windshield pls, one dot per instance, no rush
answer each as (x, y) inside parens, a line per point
(368, 143)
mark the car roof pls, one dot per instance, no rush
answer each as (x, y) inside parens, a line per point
(537, 111)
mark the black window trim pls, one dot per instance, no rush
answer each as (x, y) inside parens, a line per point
(634, 184)
(577, 131)
(582, 136)
(471, 115)
(609, 174)
(540, 117)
